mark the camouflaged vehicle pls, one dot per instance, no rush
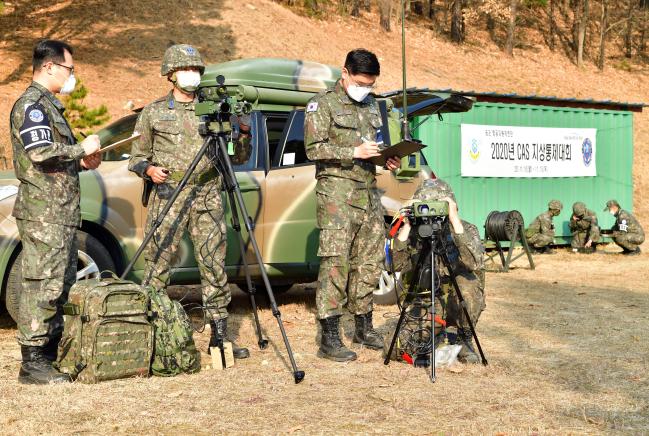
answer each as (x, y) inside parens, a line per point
(277, 182)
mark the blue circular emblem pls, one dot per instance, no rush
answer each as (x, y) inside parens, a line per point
(587, 151)
(36, 115)
(190, 51)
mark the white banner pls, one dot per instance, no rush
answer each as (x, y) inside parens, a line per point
(509, 151)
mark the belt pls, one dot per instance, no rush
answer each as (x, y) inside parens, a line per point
(199, 179)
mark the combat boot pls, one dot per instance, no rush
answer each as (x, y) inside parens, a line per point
(219, 333)
(467, 354)
(365, 334)
(331, 347)
(632, 252)
(50, 350)
(36, 369)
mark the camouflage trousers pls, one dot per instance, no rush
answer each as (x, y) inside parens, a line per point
(199, 211)
(579, 239)
(49, 268)
(472, 289)
(628, 241)
(539, 240)
(351, 252)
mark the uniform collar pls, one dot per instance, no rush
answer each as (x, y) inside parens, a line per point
(47, 94)
(339, 89)
(172, 103)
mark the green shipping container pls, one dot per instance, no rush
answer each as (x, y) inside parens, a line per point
(478, 196)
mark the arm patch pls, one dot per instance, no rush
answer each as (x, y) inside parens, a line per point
(36, 130)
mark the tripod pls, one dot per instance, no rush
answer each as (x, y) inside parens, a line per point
(432, 247)
(215, 143)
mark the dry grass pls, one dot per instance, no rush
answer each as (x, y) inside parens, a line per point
(565, 343)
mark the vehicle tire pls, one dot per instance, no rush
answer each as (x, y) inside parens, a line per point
(385, 293)
(93, 258)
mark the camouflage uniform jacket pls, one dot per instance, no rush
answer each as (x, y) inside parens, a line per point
(542, 224)
(588, 223)
(334, 125)
(465, 252)
(626, 223)
(46, 159)
(170, 139)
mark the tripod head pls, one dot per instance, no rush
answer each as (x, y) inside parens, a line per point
(426, 217)
(220, 112)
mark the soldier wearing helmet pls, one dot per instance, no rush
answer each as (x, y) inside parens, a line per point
(464, 250)
(168, 143)
(627, 232)
(540, 233)
(584, 228)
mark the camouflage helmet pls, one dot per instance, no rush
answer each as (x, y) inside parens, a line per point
(579, 209)
(434, 189)
(610, 204)
(555, 205)
(181, 56)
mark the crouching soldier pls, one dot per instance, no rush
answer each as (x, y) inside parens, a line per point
(465, 252)
(584, 228)
(540, 234)
(627, 231)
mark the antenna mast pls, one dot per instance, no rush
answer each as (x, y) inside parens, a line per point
(405, 127)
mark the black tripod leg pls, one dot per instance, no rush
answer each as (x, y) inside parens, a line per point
(158, 221)
(402, 315)
(464, 308)
(433, 375)
(229, 173)
(236, 225)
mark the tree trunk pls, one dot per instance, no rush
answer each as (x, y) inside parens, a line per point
(385, 9)
(511, 27)
(581, 37)
(367, 5)
(457, 22)
(425, 8)
(553, 29)
(602, 35)
(629, 31)
(356, 8)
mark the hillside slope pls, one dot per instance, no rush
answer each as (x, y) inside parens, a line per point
(118, 57)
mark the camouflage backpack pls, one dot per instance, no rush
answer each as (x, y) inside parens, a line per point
(107, 333)
(174, 349)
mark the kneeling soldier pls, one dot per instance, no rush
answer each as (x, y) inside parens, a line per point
(540, 234)
(627, 231)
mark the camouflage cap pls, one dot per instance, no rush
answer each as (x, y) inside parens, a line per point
(555, 205)
(433, 189)
(181, 56)
(579, 209)
(610, 204)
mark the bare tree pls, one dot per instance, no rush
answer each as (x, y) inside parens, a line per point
(553, 25)
(581, 30)
(511, 27)
(602, 35)
(457, 22)
(356, 6)
(628, 35)
(385, 10)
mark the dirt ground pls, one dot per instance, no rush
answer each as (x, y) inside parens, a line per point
(566, 347)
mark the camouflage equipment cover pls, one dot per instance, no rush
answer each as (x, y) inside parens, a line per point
(107, 332)
(46, 159)
(555, 205)
(434, 189)
(174, 350)
(181, 56)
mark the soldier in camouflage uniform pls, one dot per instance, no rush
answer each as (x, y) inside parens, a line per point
(584, 228)
(540, 234)
(168, 143)
(465, 252)
(47, 161)
(340, 135)
(627, 231)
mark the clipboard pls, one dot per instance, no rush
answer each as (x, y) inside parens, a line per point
(403, 148)
(118, 143)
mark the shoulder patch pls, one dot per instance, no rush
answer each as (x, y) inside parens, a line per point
(36, 130)
(312, 107)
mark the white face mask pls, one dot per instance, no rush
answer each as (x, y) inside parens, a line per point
(69, 85)
(358, 93)
(611, 212)
(188, 81)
